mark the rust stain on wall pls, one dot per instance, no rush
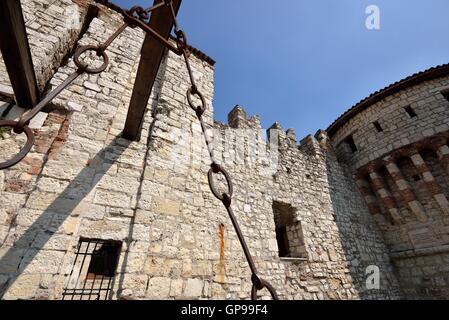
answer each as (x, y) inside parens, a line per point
(221, 265)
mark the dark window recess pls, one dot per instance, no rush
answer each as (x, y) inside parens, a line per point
(289, 233)
(93, 271)
(378, 126)
(282, 240)
(351, 143)
(445, 94)
(411, 113)
(416, 178)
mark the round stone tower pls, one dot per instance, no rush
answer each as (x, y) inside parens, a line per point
(395, 143)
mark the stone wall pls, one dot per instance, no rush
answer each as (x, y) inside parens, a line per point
(399, 129)
(56, 191)
(82, 180)
(402, 172)
(423, 273)
(341, 237)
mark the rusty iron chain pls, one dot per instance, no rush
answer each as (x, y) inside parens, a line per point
(136, 16)
(139, 17)
(215, 168)
(22, 125)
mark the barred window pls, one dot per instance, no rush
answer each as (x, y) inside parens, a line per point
(93, 270)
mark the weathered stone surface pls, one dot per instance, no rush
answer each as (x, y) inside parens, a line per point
(176, 287)
(11, 258)
(194, 288)
(25, 287)
(42, 261)
(116, 199)
(82, 180)
(134, 286)
(158, 288)
(165, 206)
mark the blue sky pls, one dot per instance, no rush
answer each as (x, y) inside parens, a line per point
(305, 62)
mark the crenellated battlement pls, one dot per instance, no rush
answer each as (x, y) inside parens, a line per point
(238, 119)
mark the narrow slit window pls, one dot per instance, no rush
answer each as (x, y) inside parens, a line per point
(351, 143)
(378, 126)
(411, 113)
(445, 94)
(93, 270)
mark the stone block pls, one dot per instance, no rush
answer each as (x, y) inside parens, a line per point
(158, 288)
(166, 206)
(176, 287)
(112, 198)
(193, 288)
(24, 287)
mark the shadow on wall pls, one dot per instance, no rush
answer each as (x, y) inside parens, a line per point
(22, 253)
(64, 204)
(361, 239)
(61, 207)
(157, 111)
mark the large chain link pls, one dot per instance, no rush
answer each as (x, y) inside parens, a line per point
(22, 125)
(215, 168)
(136, 16)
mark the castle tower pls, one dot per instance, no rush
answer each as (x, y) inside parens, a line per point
(395, 143)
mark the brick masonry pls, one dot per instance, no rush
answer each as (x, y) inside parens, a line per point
(83, 180)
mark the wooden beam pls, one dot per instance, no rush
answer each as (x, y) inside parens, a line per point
(151, 57)
(16, 54)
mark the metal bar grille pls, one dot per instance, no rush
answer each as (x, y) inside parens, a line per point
(93, 270)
